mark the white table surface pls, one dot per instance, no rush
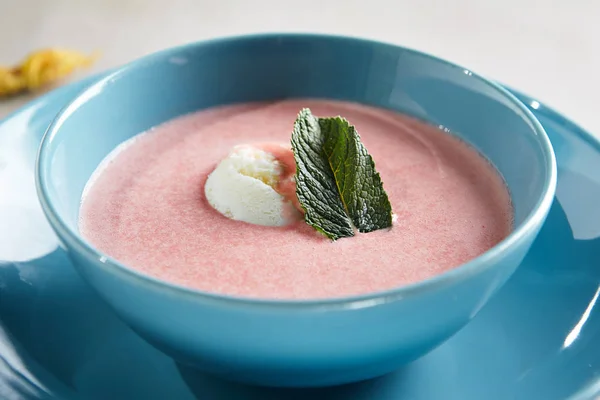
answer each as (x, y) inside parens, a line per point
(547, 48)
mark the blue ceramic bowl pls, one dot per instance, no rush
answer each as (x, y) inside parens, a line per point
(296, 343)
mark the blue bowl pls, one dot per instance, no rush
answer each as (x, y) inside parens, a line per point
(296, 343)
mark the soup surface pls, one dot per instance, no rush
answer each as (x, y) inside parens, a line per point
(146, 207)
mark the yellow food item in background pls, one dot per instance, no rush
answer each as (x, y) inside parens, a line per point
(41, 68)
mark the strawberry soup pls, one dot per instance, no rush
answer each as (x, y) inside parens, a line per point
(146, 206)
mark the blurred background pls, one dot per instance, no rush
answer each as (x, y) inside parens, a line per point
(546, 48)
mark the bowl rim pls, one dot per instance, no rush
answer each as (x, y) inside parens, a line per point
(112, 266)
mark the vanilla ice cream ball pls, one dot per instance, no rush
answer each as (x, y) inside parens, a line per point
(243, 187)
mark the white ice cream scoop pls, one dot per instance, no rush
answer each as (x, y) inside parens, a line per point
(243, 187)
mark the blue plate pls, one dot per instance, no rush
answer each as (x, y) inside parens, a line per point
(539, 338)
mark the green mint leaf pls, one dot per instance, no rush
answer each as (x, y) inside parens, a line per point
(336, 181)
(315, 181)
(358, 183)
